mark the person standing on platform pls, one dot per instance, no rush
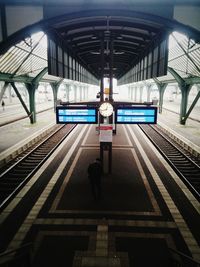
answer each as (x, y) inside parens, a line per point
(94, 175)
(3, 104)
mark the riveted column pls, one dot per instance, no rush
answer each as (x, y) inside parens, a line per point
(185, 89)
(67, 90)
(75, 93)
(55, 94)
(132, 88)
(161, 88)
(31, 87)
(80, 93)
(111, 72)
(135, 95)
(141, 93)
(3, 89)
(102, 70)
(148, 92)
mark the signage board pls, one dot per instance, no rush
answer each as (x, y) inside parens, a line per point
(136, 115)
(106, 133)
(79, 115)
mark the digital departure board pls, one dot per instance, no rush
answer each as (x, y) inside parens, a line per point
(82, 115)
(136, 115)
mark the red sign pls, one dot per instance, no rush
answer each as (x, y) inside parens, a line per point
(104, 127)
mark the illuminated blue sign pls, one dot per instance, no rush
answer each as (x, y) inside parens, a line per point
(136, 115)
(76, 115)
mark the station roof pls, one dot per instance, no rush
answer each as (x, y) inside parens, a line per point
(82, 35)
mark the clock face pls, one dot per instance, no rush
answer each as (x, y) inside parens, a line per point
(106, 109)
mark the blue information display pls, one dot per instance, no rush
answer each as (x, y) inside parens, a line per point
(136, 115)
(82, 115)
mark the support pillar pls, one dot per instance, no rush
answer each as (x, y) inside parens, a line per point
(81, 93)
(111, 72)
(3, 90)
(185, 89)
(161, 89)
(135, 95)
(148, 92)
(141, 93)
(131, 93)
(31, 91)
(102, 71)
(54, 87)
(75, 93)
(67, 90)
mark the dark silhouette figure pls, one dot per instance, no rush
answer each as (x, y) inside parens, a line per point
(3, 104)
(94, 175)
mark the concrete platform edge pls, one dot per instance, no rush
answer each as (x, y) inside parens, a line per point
(15, 150)
(184, 142)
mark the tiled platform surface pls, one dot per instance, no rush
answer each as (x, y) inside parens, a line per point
(78, 222)
(12, 135)
(140, 212)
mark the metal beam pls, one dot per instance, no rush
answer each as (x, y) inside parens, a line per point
(191, 107)
(3, 22)
(20, 98)
(185, 52)
(3, 90)
(38, 78)
(177, 77)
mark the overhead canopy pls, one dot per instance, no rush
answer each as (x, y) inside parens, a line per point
(133, 34)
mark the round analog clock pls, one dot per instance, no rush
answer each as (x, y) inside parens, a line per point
(106, 109)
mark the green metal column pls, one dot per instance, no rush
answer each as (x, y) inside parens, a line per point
(102, 70)
(55, 87)
(185, 89)
(3, 90)
(20, 99)
(148, 92)
(55, 94)
(141, 93)
(161, 88)
(67, 89)
(31, 87)
(135, 95)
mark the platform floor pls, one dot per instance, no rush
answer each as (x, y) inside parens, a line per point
(17, 132)
(145, 208)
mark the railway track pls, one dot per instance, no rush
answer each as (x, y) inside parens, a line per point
(184, 166)
(15, 177)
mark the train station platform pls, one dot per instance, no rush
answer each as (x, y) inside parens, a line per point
(17, 135)
(145, 213)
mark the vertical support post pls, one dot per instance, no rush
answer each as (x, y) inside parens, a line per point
(185, 88)
(75, 93)
(3, 22)
(3, 89)
(55, 94)
(81, 93)
(161, 89)
(111, 72)
(135, 95)
(20, 99)
(141, 93)
(67, 89)
(102, 71)
(148, 92)
(31, 90)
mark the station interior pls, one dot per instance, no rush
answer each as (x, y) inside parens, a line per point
(113, 84)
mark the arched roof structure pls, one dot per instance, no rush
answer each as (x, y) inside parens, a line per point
(81, 34)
